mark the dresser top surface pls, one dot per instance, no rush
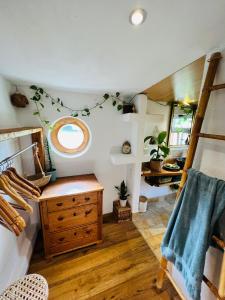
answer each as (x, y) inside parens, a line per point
(72, 185)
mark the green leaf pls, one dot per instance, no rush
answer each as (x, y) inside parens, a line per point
(106, 96)
(165, 150)
(58, 100)
(46, 122)
(34, 98)
(41, 91)
(161, 137)
(74, 114)
(100, 106)
(33, 87)
(36, 113)
(114, 103)
(86, 110)
(53, 103)
(119, 107)
(61, 103)
(153, 151)
(58, 110)
(42, 105)
(117, 94)
(38, 96)
(147, 138)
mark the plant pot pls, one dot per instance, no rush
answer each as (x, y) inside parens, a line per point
(143, 202)
(123, 203)
(53, 173)
(156, 165)
(128, 108)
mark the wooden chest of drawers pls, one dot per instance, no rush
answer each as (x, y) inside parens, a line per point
(71, 214)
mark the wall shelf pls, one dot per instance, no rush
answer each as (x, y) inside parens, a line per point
(130, 117)
(11, 133)
(169, 183)
(138, 123)
(149, 173)
(135, 117)
(36, 136)
(119, 158)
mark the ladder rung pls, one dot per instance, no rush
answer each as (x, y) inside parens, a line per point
(212, 136)
(212, 287)
(217, 87)
(219, 242)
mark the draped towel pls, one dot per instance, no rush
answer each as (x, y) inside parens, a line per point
(190, 228)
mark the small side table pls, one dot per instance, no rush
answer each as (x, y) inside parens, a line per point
(121, 214)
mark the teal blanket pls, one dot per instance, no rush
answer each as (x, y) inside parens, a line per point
(191, 225)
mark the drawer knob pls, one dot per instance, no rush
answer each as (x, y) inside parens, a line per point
(60, 218)
(87, 212)
(59, 204)
(74, 214)
(61, 239)
(74, 199)
(75, 233)
(88, 231)
(87, 198)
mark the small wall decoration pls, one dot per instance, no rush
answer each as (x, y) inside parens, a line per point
(126, 148)
(19, 100)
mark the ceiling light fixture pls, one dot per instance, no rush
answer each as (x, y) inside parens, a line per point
(138, 16)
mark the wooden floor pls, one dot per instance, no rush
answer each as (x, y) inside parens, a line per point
(122, 267)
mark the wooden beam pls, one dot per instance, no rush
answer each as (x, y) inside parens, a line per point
(221, 288)
(217, 87)
(212, 136)
(212, 288)
(219, 242)
(203, 102)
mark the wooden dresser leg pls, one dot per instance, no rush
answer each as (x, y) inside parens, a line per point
(161, 273)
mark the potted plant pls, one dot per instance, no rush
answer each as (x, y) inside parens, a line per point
(159, 154)
(122, 192)
(50, 168)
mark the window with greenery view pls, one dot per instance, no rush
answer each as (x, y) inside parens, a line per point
(181, 125)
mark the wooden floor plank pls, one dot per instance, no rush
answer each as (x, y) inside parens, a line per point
(122, 267)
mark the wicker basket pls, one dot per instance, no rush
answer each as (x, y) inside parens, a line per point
(30, 287)
(39, 180)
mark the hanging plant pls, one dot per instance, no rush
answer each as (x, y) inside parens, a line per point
(40, 95)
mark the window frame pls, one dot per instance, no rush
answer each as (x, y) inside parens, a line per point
(58, 147)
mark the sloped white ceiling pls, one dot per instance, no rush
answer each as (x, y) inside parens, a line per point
(89, 45)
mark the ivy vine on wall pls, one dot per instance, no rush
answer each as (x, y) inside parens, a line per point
(40, 95)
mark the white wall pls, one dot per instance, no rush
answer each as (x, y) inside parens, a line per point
(15, 252)
(107, 129)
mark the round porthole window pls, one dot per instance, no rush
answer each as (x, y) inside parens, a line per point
(69, 137)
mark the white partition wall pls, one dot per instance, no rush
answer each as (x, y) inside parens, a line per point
(138, 122)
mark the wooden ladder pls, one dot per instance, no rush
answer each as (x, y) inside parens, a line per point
(195, 135)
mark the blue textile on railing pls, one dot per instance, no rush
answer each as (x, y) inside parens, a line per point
(191, 225)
